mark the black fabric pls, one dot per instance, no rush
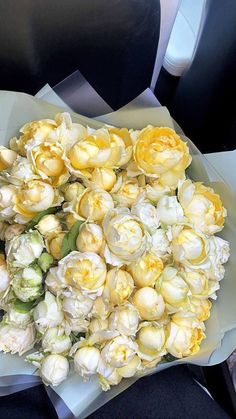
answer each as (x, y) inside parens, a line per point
(113, 43)
(171, 394)
(204, 102)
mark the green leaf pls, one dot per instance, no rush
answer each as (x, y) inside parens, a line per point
(23, 307)
(38, 217)
(2, 246)
(69, 240)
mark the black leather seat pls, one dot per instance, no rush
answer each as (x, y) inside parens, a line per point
(113, 43)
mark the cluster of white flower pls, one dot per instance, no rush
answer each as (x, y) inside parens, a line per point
(110, 255)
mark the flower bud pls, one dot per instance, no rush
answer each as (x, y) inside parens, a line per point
(119, 351)
(54, 369)
(131, 368)
(94, 204)
(147, 214)
(13, 231)
(103, 178)
(19, 316)
(7, 158)
(24, 249)
(151, 341)
(146, 270)
(86, 361)
(125, 320)
(32, 276)
(98, 324)
(16, 340)
(77, 306)
(119, 286)
(73, 190)
(49, 225)
(55, 341)
(90, 238)
(45, 261)
(27, 283)
(55, 245)
(70, 221)
(149, 303)
(52, 281)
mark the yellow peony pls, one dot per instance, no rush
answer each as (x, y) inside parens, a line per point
(173, 288)
(102, 178)
(202, 206)
(201, 308)
(149, 303)
(47, 159)
(93, 205)
(146, 270)
(126, 190)
(125, 237)
(119, 286)
(7, 158)
(159, 152)
(151, 341)
(38, 130)
(35, 196)
(189, 246)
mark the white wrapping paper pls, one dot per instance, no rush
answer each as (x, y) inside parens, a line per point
(84, 397)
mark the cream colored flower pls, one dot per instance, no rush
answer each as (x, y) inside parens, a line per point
(20, 172)
(92, 205)
(201, 308)
(131, 368)
(147, 213)
(197, 281)
(67, 133)
(151, 341)
(118, 286)
(7, 195)
(159, 152)
(160, 244)
(7, 158)
(101, 178)
(52, 281)
(83, 271)
(202, 206)
(146, 270)
(126, 190)
(56, 341)
(190, 247)
(149, 303)
(77, 305)
(54, 245)
(112, 380)
(101, 308)
(49, 225)
(38, 130)
(125, 320)
(185, 335)
(54, 369)
(170, 211)
(125, 237)
(16, 340)
(86, 361)
(13, 230)
(219, 252)
(98, 324)
(72, 190)
(18, 317)
(121, 137)
(47, 160)
(48, 313)
(154, 190)
(119, 351)
(24, 249)
(173, 288)
(4, 276)
(90, 238)
(35, 196)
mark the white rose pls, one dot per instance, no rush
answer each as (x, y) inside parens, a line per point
(49, 225)
(149, 303)
(86, 361)
(21, 171)
(16, 340)
(190, 247)
(52, 281)
(160, 244)
(118, 286)
(170, 211)
(7, 193)
(55, 341)
(98, 324)
(125, 237)
(19, 315)
(90, 238)
(219, 252)
(101, 308)
(47, 313)
(27, 283)
(147, 213)
(24, 249)
(146, 270)
(112, 380)
(197, 281)
(76, 325)
(54, 369)
(77, 305)
(172, 287)
(125, 320)
(119, 351)
(155, 190)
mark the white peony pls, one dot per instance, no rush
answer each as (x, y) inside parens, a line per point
(170, 211)
(55, 341)
(125, 320)
(48, 313)
(119, 351)
(24, 249)
(16, 340)
(54, 369)
(147, 213)
(86, 361)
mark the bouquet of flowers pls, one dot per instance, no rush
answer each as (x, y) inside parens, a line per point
(110, 258)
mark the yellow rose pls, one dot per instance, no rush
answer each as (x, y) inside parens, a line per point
(7, 158)
(201, 308)
(173, 288)
(159, 152)
(102, 178)
(119, 286)
(185, 335)
(93, 205)
(151, 341)
(35, 196)
(146, 270)
(90, 238)
(149, 303)
(49, 225)
(126, 190)
(120, 137)
(39, 130)
(47, 159)
(189, 246)
(202, 206)
(84, 271)
(125, 237)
